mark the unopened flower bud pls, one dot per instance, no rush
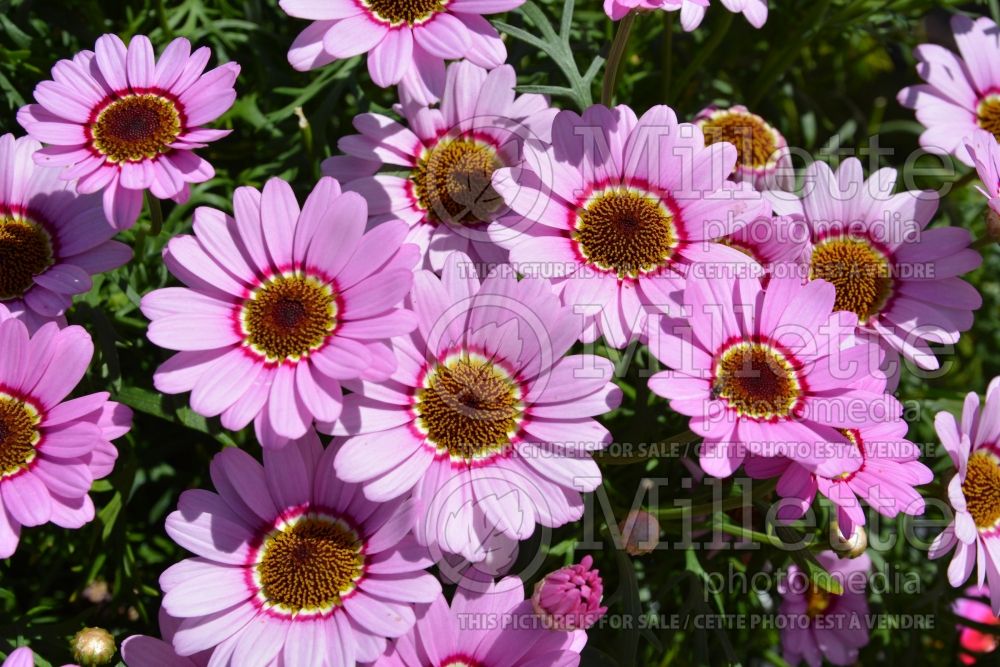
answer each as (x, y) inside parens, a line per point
(570, 598)
(640, 532)
(848, 547)
(93, 647)
(993, 220)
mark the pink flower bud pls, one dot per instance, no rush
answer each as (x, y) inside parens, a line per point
(570, 598)
(640, 533)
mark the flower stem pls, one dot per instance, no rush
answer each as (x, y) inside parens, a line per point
(155, 215)
(612, 68)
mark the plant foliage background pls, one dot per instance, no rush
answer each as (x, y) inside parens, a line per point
(825, 72)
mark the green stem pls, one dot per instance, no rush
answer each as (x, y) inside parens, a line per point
(155, 215)
(703, 53)
(612, 68)
(984, 242)
(760, 490)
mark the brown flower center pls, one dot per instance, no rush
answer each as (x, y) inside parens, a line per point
(626, 232)
(755, 140)
(289, 316)
(411, 12)
(18, 434)
(756, 380)
(982, 490)
(25, 251)
(469, 408)
(310, 564)
(988, 115)
(136, 127)
(861, 273)
(453, 182)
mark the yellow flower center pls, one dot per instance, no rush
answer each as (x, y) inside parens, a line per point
(18, 434)
(988, 115)
(982, 490)
(756, 380)
(25, 251)
(411, 12)
(289, 316)
(136, 127)
(755, 140)
(453, 182)
(861, 273)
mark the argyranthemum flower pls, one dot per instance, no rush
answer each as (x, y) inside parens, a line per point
(447, 156)
(122, 122)
(489, 624)
(762, 155)
(974, 492)
(985, 154)
(484, 418)
(692, 11)
(405, 41)
(51, 238)
(962, 94)
(819, 624)
(617, 208)
(570, 598)
(887, 479)
(900, 278)
(772, 372)
(974, 643)
(292, 564)
(51, 449)
(281, 305)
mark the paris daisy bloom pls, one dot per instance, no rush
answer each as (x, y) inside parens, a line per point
(617, 208)
(962, 92)
(52, 240)
(901, 278)
(279, 306)
(692, 11)
(985, 154)
(406, 42)
(484, 625)
(773, 372)
(974, 643)
(123, 122)
(441, 159)
(51, 449)
(570, 597)
(886, 480)
(292, 564)
(820, 624)
(762, 154)
(485, 419)
(974, 492)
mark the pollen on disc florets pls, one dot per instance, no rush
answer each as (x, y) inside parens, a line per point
(988, 115)
(136, 127)
(409, 12)
(453, 181)
(25, 252)
(289, 316)
(308, 565)
(860, 272)
(982, 489)
(756, 380)
(469, 407)
(19, 434)
(626, 232)
(755, 140)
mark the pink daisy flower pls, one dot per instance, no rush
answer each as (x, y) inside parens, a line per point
(974, 643)
(974, 493)
(406, 42)
(488, 626)
(692, 11)
(122, 122)
(962, 92)
(900, 278)
(886, 480)
(146, 651)
(772, 372)
(292, 565)
(51, 449)
(820, 624)
(985, 154)
(443, 159)
(762, 154)
(616, 210)
(280, 306)
(484, 418)
(51, 239)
